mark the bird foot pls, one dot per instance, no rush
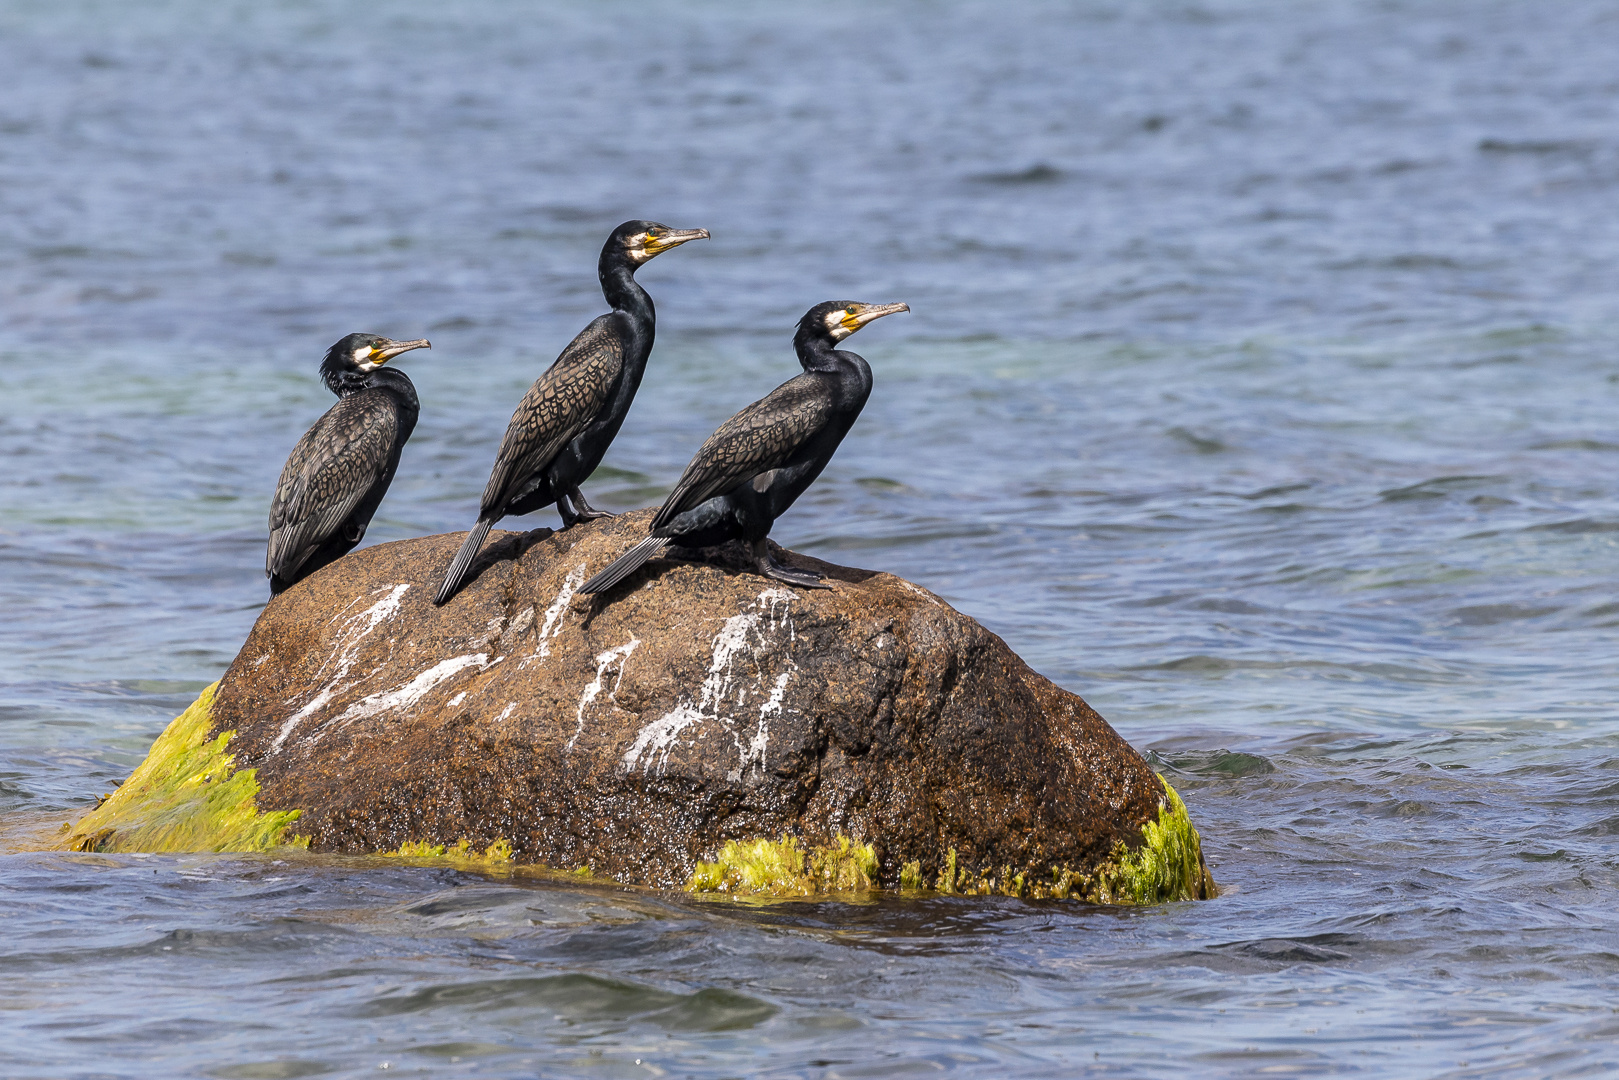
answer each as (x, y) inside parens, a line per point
(804, 579)
(579, 510)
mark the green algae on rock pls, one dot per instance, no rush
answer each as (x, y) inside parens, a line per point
(783, 868)
(186, 796)
(496, 857)
(1168, 866)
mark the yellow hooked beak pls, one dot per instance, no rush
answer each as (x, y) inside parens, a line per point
(671, 238)
(381, 354)
(857, 315)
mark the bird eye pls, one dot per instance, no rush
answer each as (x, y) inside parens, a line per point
(849, 310)
(652, 234)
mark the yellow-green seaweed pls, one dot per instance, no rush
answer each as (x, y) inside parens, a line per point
(186, 796)
(1167, 866)
(910, 875)
(497, 856)
(947, 874)
(783, 868)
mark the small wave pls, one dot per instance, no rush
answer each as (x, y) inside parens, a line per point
(1437, 488)
(1415, 260)
(1492, 614)
(626, 476)
(1035, 174)
(1203, 444)
(1201, 662)
(1228, 764)
(166, 688)
(1576, 525)
(1289, 950)
(1608, 826)
(1400, 165)
(1279, 489)
(883, 484)
(584, 998)
(279, 1069)
(857, 543)
(1575, 444)
(1226, 605)
(1578, 147)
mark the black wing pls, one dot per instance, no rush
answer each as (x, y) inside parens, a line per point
(561, 403)
(330, 470)
(761, 437)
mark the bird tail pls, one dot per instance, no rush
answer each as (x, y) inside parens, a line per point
(463, 560)
(626, 564)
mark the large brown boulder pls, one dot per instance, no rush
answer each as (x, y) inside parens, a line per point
(636, 732)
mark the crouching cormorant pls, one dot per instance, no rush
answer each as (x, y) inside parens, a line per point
(341, 468)
(563, 425)
(752, 469)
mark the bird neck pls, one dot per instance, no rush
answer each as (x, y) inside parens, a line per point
(622, 291)
(345, 381)
(398, 385)
(815, 353)
(848, 371)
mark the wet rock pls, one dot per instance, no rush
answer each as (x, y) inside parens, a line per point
(637, 732)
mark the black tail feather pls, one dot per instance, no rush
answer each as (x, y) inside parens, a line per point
(626, 564)
(463, 560)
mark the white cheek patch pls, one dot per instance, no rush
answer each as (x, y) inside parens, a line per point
(362, 359)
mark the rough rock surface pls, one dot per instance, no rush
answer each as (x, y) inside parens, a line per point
(637, 731)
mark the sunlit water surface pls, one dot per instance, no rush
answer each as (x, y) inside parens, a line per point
(1260, 386)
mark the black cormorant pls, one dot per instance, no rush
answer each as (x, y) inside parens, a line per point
(341, 468)
(563, 425)
(749, 471)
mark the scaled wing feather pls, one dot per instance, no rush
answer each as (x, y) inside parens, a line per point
(327, 475)
(761, 437)
(561, 403)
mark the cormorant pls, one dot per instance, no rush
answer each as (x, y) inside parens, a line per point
(752, 469)
(563, 425)
(341, 468)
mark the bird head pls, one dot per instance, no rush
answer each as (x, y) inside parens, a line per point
(837, 319)
(641, 241)
(367, 352)
(349, 361)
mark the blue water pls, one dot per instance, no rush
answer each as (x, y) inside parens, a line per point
(1261, 386)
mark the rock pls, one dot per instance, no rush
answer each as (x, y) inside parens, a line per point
(696, 709)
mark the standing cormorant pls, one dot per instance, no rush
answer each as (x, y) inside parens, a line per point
(563, 425)
(341, 468)
(752, 469)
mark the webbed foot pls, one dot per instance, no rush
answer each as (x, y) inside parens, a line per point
(583, 511)
(770, 568)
